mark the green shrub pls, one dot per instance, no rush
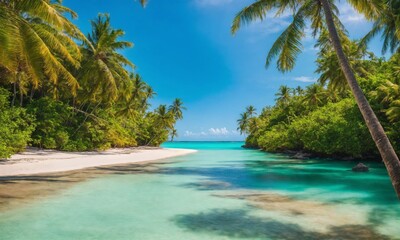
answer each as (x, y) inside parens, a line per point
(336, 128)
(16, 127)
(276, 139)
(53, 123)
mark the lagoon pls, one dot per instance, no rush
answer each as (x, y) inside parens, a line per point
(220, 192)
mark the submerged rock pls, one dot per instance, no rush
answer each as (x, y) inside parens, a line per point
(302, 155)
(360, 168)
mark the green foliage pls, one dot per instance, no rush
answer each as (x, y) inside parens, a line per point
(51, 117)
(59, 126)
(288, 45)
(325, 119)
(16, 127)
(335, 129)
(73, 97)
(276, 139)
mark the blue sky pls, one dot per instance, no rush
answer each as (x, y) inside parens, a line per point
(184, 49)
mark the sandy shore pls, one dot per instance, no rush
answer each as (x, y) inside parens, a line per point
(48, 161)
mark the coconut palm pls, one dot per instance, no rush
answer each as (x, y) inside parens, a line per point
(314, 94)
(148, 94)
(323, 15)
(37, 43)
(299, 91)
(173, 134)
(386, 23)
(139, 87)
(103, 70)
(243, 123)
(283, 95)
(328, 65)
(251, 111)
(164, 121)
(176, 109)
(165, 118)
(389, 95)
(266, 112)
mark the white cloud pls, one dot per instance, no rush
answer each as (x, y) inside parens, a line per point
(211, 3)
(218, 131)
(348, 14)
(305, 79)
(188, 133)
(212, 132)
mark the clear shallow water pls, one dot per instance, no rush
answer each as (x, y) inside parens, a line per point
(221, 192)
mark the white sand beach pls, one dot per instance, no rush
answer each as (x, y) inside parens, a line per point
(34, 161)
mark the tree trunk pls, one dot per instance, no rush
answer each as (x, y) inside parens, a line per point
(14, 94)
(32, 93)
(382, 142)
(21, 99)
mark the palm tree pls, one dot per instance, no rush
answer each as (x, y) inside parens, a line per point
(323, 14)
(132, 96)
(176, 109)
(148, 94)
(299, 91)
(266, 112)
(389, 94)
(139, 87)
(164, 121)
(313, 95)
(173, 134)
(37, 44)
(165, 118)
(386, 23)
(251, 111)
(103, 70)
(243, 123)
(328, 65)
(283, 95)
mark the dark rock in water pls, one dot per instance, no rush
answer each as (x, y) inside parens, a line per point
(291, 152)
(347, 158)
(301, 155)
(360, 168)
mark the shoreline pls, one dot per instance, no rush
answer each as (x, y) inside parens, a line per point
(304, 155)
(34, 161)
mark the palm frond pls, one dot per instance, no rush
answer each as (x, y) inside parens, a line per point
(255, 11)
(288, 45)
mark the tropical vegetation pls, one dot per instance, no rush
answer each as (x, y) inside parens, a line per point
(322, 16)
(62, 89)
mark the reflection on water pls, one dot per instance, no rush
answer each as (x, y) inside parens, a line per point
(221, 192)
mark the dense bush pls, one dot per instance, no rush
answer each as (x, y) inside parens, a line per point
(325, 120)
(59, 126)
(335, 129)
(53, 123)
(16, 126)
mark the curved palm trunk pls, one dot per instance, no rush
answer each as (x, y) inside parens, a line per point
(375, 128)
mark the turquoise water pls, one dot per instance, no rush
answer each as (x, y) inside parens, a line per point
(220, 192)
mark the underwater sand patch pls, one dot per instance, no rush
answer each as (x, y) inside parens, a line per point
(241, 223)
(20, 190)
(309, 214)
(210, 185)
